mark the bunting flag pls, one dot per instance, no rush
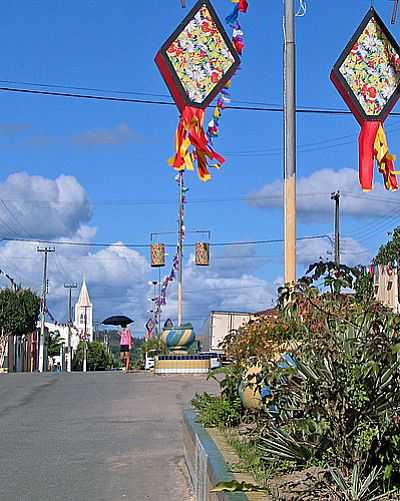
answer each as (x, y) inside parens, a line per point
(197, 62)
(367, 75)
(161, 299)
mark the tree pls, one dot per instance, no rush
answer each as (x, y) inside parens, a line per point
(19, 312)
(55, 342)
(97, 357)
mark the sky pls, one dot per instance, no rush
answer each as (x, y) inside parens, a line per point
(95, 172)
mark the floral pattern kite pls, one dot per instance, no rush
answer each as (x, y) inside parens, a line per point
(367, 75)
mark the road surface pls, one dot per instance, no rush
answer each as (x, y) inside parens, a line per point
(94, 437)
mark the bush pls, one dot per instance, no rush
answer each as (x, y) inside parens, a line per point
(338, 405)
(97, 357)
(216, 410)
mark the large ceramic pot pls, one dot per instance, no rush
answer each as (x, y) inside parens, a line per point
(178, 338)
(249, 393)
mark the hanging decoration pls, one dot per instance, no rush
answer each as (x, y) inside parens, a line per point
(367, 75)
(224, 97)
(150, 325)
(157, 255)
(196, 62)
(202, 254)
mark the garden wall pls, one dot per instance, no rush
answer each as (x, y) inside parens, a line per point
(205, 463)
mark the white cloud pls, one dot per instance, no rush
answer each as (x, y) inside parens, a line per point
(34, 207)
(215, 288)
(120, 134)
(352, 252)
(313, 195)
(37, 207)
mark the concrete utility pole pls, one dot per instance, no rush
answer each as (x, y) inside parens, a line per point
(289, 78)
(180, 250)
(336, 198)
(70, 287)
(45, 250)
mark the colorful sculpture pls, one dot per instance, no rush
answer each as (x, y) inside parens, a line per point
(178, 338)
(367, 75)
(196, 63)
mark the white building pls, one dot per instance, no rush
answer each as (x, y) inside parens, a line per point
(84, 314)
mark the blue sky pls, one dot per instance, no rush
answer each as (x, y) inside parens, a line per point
(122, 189)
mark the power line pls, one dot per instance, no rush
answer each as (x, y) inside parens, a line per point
(131, 245)
(273, 109)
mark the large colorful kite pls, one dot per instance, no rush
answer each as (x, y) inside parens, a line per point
(367, 75)
(197, 61)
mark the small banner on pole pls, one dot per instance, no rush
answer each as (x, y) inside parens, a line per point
(157, 255)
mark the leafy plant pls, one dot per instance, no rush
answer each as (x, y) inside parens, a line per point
(216, 411)
(97, 357)
(54, 343)
(235, 486)
(357, 487)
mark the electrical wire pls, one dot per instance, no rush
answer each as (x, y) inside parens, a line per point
(273, 109)
(131, 245)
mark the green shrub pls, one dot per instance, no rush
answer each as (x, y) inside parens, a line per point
(216, 410)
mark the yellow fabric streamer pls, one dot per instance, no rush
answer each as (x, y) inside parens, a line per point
(385, 159)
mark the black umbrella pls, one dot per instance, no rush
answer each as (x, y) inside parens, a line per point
(117, 320)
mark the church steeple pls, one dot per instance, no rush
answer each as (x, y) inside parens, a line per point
(84, 313)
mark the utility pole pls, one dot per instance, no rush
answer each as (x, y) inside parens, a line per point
(336, 198)
(70, 287)
(45, 250)
(289, 78)
(180, 249)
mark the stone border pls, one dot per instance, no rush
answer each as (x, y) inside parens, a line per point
(205, 462)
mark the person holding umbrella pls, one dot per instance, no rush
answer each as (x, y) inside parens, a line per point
(125, 345)
(125, 334)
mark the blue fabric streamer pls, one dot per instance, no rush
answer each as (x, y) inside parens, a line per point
(233, 17)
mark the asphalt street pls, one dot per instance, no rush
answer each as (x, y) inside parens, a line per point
(94, 437)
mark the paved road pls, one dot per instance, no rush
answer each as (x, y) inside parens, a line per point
(93, 437)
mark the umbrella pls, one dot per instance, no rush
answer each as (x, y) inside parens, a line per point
(117, 320)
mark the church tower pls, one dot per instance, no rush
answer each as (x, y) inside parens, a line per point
(84, 313)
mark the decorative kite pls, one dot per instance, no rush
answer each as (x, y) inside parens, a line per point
(367, 75)
(196, 62)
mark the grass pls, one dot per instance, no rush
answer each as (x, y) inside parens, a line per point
(250, 458)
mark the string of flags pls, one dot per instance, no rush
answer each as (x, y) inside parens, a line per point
(224, 98)
(160, 301)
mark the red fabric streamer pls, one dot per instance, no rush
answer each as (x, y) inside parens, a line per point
(239, 45)
(366, 152)
(243, 6)
(373, 145)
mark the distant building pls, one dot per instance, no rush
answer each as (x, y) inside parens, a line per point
(84, 314)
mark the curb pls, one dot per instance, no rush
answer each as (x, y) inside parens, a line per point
(205, 463)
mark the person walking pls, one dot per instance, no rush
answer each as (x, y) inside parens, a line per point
(125, 346)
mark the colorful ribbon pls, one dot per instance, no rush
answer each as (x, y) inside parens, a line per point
(373, 146)
(192, 145)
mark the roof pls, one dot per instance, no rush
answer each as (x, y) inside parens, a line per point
(84, 299)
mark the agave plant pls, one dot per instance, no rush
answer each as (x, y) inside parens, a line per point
(339, 404)
(357, 487)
